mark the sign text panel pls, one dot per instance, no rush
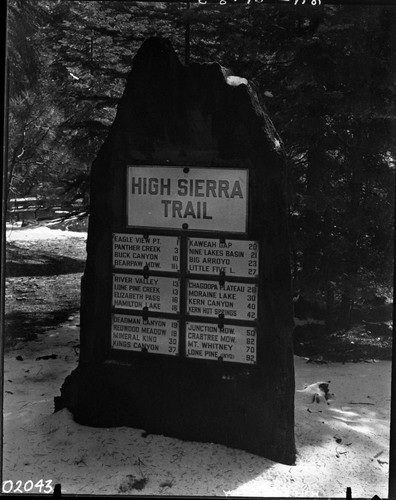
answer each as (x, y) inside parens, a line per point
(132, 251)
(207, 199)
(232, 343)
(158, 294)
(234, 257)
(234, 300)
(155, 335)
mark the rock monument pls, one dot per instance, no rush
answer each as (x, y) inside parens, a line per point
(186, 308)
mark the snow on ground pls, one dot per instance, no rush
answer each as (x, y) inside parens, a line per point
(16, 233)
(345, 443)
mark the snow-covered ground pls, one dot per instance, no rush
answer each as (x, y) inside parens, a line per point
(17, 233)
(345, 443)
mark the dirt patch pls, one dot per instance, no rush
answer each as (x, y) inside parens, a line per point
(22, 261)
(360, 343)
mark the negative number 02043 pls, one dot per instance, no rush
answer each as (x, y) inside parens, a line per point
(41, 486)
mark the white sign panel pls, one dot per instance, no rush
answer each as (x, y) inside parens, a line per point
(157, 294)
(131, 333)
(234, 257)
(233, 343)
(207, 199)
(132, 251)
(234, 300)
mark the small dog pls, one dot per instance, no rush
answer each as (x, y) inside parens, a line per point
(318, 392)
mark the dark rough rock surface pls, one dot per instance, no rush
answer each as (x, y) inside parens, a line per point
(197, 116)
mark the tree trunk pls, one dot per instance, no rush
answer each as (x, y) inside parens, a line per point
(330, 308)
(345, 320)
(312, 219)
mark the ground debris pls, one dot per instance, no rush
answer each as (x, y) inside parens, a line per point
(131, 482)
(166, 484)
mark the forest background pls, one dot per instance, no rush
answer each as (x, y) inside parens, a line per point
(327, 75)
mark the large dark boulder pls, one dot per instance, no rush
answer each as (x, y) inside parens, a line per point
(197, 115)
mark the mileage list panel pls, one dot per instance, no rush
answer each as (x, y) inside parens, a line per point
(232, 343)
(132, 251)
(234, 300)
(134, 292)
(155, 335)
(237, 258)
